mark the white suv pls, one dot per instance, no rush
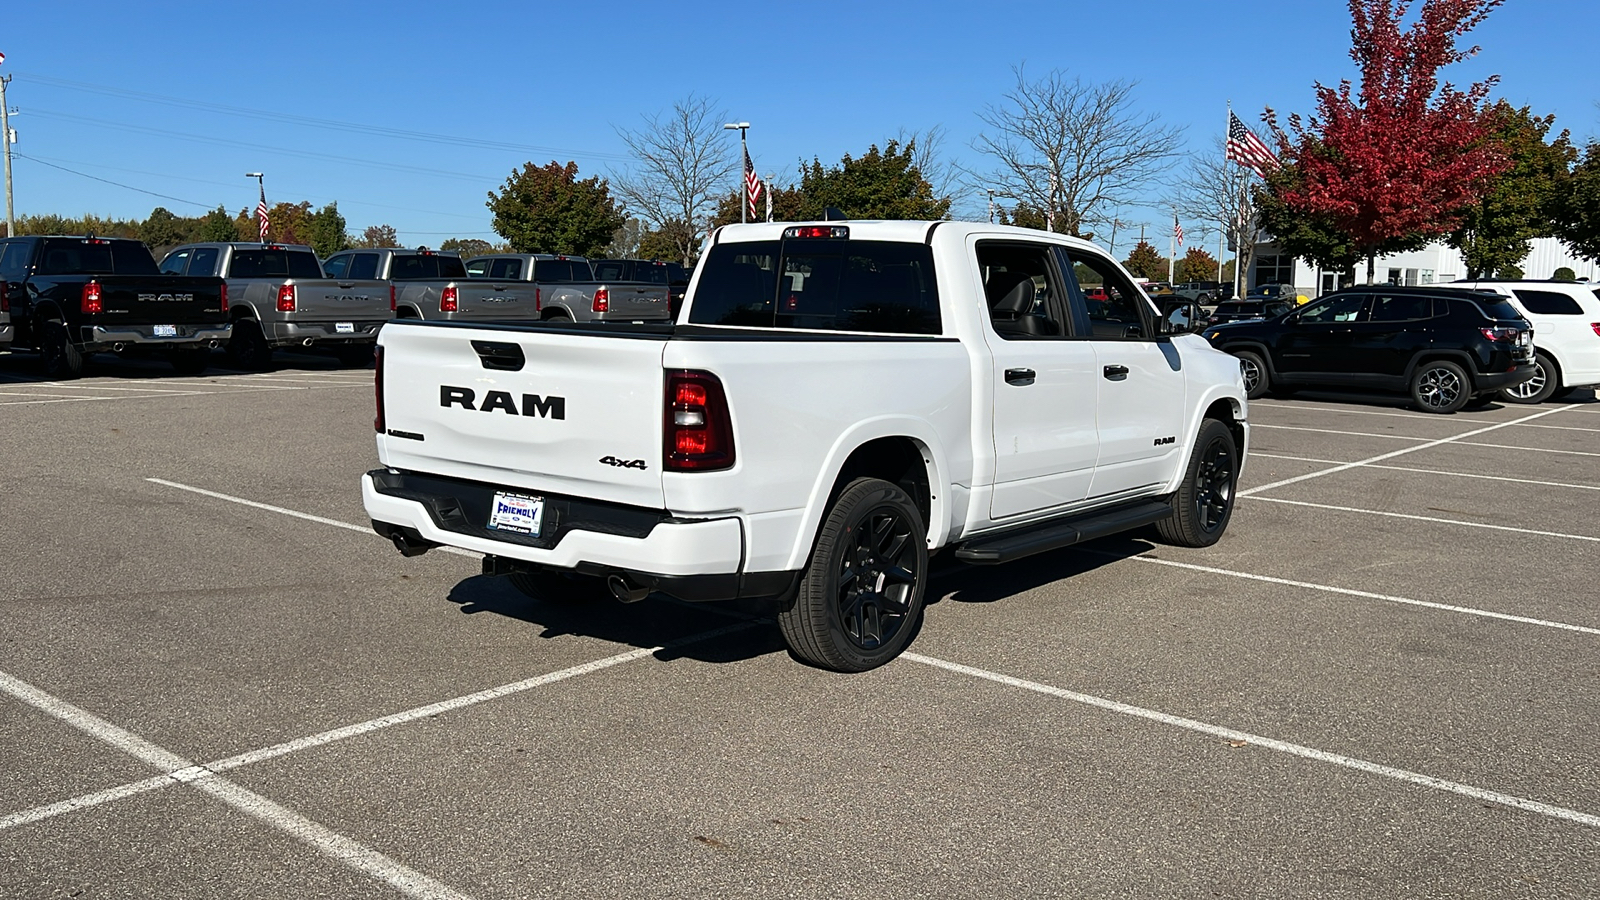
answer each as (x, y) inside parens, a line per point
(1566, 334)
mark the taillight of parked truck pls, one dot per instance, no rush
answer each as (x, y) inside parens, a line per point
(391, 298)
(222, 297)
(89, 304)
(602, 300)
(699, 431)
(377, 387)
(286, 298)
(449, 299)
(538, 299)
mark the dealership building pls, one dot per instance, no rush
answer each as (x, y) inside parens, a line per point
(1433, 264)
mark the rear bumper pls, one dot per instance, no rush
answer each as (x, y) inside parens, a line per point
(286, 333)
(96, 337)
(1496, 380)
(689, 559)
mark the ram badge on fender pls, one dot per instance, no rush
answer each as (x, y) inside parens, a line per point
(837, 401)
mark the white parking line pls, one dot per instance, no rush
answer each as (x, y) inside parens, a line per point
(336, 846)
(60, 400)
(1342, 410)
(1404, 450)
(1528, 449)
(1392, 437)
(295, 513)
(1433, 519)
(1352, 592)
(1304, 752)
(1559, 484)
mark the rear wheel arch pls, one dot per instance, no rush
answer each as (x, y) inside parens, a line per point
(1459, 357)
(407, 312)
(905, 460)
(898, 460)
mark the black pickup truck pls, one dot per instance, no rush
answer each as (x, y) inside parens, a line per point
(72, 296)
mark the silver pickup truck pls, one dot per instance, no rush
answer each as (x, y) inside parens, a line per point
(278, 296)
(423, 282)
(565, 287)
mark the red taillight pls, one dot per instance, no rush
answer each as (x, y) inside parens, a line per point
(1500, 333)
(817, 231)
(286, 298)
(1596, 327)
(224, 298)
(538, 299)
(90, 303)
(602, 300)
(448, 299)
(377, 387)
(699, 431)
(391, 298)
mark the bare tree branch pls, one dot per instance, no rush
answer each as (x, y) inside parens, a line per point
(1216, 191)
(1075, 149)
(683, 165)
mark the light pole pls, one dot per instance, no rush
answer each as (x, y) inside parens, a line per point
(5, 139)
(768, 189)
(261, 207)
(744, 187)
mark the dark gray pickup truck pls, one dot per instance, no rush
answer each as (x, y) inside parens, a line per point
(72, 296)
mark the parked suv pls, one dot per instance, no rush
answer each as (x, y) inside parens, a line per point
(1566, 335)
(1254, 308)
(1443, 346)
(1203, 291)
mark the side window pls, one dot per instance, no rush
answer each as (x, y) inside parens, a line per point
(504, 269)
(175, 262)
(1400, 309)
(13, 260)
(1119, 310)
(478, 268)
(1345, 308)
(1548, 303)
(204, 261)
(336, 266)
(364, 265)
(1023, 291)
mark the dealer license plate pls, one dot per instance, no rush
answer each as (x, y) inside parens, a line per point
(166, 331)
(516, 512)
(344, 327)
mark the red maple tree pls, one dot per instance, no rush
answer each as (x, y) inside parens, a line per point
(1394, 163)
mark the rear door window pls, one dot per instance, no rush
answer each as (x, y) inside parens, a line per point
(204, 261)
(1024, 292)
(336, 266)
(1335, 309)
(820, 285)
(1548, 303)
(175, 262)
(1400, 308)
(478, 268)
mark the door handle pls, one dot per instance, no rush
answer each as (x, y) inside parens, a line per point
(1020, 377)
(1115, 373)
(346, 285)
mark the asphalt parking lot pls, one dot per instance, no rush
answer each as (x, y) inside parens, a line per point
(216, 681)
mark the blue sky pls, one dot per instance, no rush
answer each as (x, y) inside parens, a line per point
(504, 83)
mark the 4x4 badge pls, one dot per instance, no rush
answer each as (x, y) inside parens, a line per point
(623, 463)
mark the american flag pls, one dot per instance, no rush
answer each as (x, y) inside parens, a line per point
(752, 187)
(1177, 231)
(1246, 149)
(261, 213)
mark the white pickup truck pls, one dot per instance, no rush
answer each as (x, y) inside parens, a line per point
(837, 401)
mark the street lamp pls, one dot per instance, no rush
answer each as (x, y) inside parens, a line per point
(744, 205)
(261, 211)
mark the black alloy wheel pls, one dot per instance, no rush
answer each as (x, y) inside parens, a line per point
(860, 602)
(1254, 370)
(248, 346)
(1203, 504)
(1440, 386)
(58, 356)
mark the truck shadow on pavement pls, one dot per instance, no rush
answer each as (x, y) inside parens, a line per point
(962, 583)
(23, 367)
(655, 621)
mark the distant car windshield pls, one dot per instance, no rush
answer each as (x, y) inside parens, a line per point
(91, 256)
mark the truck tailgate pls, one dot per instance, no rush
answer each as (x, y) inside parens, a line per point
(547, 409)
(342, 300)
(166, 299)
(638, 300)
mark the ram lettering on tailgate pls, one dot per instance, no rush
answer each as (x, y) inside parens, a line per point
(532, 404)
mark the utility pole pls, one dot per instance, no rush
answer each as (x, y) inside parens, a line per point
(5, 138)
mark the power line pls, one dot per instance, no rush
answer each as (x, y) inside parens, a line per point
(113, 183)
(352, 127)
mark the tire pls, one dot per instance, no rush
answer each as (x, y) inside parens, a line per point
(558, 587)
(248, 346)
(354, 356)
(1544, 384)
(860, 601)
(1203, 504)
(557, 316)
(1440, 386)
(1256, 380)
(58, 356)
(190, 362)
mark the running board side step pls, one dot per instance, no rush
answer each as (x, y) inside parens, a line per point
(1053, 534)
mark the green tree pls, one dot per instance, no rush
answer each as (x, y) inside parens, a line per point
(216, 225)
(378, 236)
(1145, 262)
(324, 231)
(1564, 273)
(1517, 206)
(878, 185)
(1314, 237)
(1576, 208)
(1024, 215)
(289, 223)
(1509, 272)
(1197, 265)
(668, 242)
(244, 225)
(470, 247)
(547, 209)
(163, 229)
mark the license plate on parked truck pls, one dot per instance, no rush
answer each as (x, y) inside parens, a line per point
(518, 513)
(165, 331)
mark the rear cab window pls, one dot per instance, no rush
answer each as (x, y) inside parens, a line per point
(424, 266)
(274, 263)
(810, 284)
(95, 256)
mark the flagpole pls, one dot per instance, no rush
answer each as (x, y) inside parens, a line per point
(1172, 249)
